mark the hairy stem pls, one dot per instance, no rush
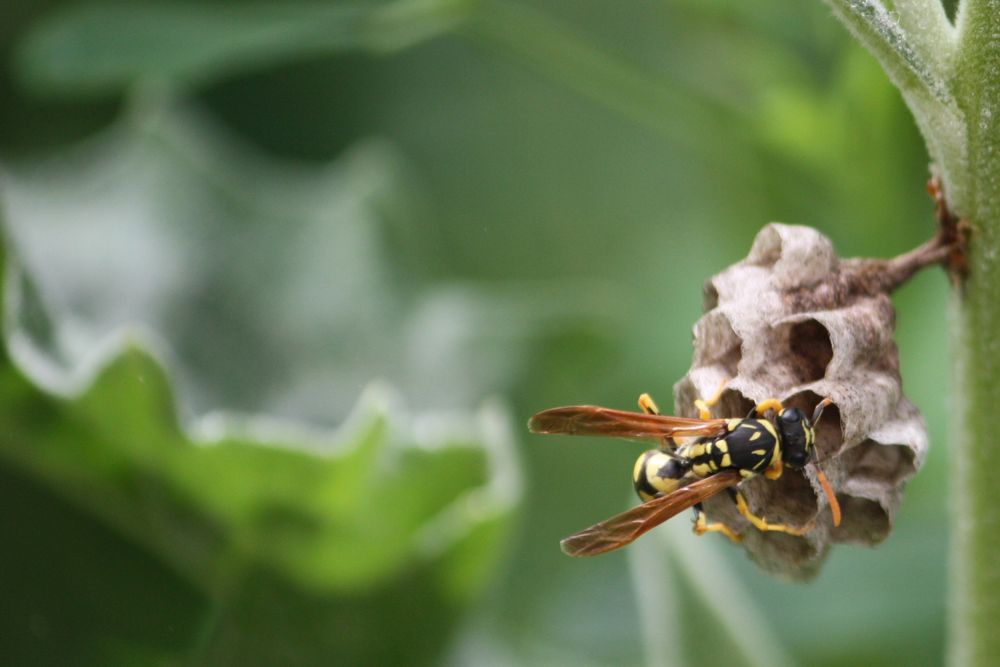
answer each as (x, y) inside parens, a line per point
(948, 77)
(975, 583)
(975, 590)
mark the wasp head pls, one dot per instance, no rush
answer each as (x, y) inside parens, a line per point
(797, 437)
(798, 434)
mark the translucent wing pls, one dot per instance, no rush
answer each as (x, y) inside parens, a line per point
(595, 420)
(624, 528)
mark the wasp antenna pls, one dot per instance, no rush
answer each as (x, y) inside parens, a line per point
(818, 412)
(831, 497)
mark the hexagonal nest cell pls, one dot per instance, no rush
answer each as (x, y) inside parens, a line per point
(810, 347)
(865, 522)
(874, 462)
(790, 322)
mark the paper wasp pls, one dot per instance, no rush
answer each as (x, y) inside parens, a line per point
(714, 455)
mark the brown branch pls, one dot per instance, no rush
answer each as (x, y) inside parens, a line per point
(947, 248)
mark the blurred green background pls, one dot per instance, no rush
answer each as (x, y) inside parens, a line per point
(284, 282)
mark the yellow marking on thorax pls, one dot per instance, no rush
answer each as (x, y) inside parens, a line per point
(732, 424)
(759, 452)
(726, 461)
(776, 455)
(755, 436)
(722, 445)
(701, 469)
(770, 428)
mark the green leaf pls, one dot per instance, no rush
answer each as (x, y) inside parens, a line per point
(277, 542)
(371, 520)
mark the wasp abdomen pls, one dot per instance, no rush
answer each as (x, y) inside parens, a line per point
(657, 473)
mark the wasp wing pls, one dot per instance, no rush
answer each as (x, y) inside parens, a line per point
(595, 420)
(624, 528)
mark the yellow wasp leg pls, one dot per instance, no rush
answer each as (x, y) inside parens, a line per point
(774, 470)
(769, 404)
(648, 405)
(761, 524)
(702, 526)
(704, 411)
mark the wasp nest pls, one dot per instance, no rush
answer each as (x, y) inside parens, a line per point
(794, 322)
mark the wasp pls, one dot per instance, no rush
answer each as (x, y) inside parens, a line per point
(696, 460)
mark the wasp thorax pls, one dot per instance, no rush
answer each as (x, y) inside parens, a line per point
(796, 323)
(657, 473)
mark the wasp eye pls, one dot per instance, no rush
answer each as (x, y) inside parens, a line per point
(791, 415)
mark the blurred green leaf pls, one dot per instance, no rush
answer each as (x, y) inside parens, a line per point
(101, 48)
(277, 287)
(292, 544)
(279, 534)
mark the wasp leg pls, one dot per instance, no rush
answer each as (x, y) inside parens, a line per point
(702, 526)
(648, 405)
(774, 470)
(761, 524)
(769, 404)
(704, 411)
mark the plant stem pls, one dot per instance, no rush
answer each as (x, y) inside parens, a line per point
(975, 567)
(949, 78)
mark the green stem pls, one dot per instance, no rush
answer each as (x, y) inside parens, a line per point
(949, 78)
(975, 590)
(975, 567)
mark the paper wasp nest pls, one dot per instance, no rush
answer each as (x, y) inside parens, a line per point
(794, 322)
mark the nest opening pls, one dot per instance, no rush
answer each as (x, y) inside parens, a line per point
(810, 342)
(733, 403)
(799, 352)
(864, 521)
(877, 463)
